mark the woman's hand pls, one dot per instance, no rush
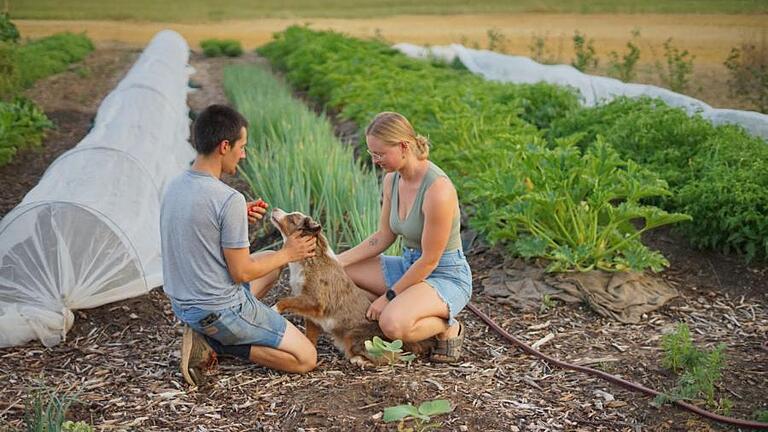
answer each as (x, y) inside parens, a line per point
(376, 308)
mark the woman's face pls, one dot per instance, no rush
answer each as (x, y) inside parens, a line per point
(388, 157)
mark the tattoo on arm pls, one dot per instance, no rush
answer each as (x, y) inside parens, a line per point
(373, 242)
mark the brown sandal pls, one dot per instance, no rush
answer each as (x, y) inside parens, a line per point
(448, 350)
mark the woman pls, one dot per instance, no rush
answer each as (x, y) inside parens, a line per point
(419, 293)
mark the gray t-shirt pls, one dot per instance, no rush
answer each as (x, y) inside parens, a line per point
(200, 216)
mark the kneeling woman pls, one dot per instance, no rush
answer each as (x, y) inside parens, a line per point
(420, 292)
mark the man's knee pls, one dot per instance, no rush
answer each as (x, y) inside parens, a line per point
(307, 361)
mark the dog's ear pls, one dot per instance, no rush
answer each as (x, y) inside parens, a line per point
(310, 226)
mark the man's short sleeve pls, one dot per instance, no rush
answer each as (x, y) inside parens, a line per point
(234, 223)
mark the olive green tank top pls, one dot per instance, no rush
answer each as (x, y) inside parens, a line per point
(413, 224)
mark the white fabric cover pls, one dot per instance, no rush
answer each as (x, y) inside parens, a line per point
(593, 89)
(89, 232)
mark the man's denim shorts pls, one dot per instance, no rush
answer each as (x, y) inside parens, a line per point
(452, 278)
(244, 324)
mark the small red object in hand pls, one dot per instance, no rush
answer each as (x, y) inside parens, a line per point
(260, 203)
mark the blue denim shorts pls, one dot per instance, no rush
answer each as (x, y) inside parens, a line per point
(248, 323)
(452, 278)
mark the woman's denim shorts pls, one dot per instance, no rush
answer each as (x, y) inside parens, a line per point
(452, 278)
(248, 323)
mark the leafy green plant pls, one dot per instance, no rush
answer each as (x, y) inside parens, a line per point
(708, 168)
(699, 370)
(221, 47)
(391, 351)
(748, 66)
(421, 415)
(585, 53)
(576, 210)
(8, 30)
(623, 66)
(679, 67)
(22, 126)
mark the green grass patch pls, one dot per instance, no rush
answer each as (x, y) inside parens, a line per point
(295, 162)
(201, 10)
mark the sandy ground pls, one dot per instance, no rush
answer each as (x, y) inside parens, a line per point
(709, 37)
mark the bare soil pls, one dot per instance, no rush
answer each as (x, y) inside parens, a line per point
(123, 358)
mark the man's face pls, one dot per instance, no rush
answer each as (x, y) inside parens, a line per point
(236, 152)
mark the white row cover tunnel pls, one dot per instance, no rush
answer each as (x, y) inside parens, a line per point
(89, 232)
(593, 89)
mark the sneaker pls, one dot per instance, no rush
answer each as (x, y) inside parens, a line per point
(197, 357)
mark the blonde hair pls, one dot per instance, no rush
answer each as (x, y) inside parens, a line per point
(393, 128)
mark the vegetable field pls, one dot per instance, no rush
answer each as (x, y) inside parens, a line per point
(548, 189)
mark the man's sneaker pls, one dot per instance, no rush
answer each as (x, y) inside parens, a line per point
(197, 357)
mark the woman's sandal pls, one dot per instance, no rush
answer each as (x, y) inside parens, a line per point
(448, 350)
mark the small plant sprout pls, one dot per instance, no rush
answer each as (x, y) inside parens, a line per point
(699, 370)
(391, 351)
(421, 415)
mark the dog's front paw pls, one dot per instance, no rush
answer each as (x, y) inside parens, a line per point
(360, 361)
(278, 307)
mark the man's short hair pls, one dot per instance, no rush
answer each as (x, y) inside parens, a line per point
(215, 124)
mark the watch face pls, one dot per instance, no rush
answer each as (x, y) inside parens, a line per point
(390, 294)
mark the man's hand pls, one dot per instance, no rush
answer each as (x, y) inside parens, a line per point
(298, 247)
(256, 210)
(376, 308)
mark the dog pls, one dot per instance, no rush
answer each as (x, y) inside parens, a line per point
(327, 299)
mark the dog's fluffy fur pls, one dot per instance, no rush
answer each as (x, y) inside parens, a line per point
(327, 298)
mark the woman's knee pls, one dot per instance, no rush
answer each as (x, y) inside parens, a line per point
(393, 327)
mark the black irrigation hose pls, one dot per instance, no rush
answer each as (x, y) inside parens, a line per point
(613, 379)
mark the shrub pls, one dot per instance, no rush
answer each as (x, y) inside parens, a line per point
(585, 53)
(748, 66)
(624, 68)
(221, 47)
(496, 40)
(8, 30)
(679, 67)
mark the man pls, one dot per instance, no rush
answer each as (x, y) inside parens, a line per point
(207, 267)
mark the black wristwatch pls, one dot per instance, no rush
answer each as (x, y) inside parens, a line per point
(391, 294)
